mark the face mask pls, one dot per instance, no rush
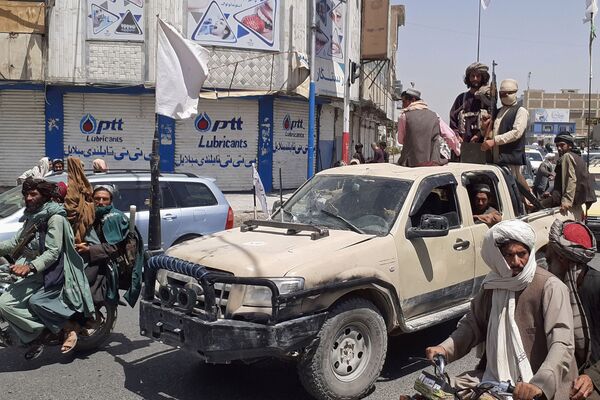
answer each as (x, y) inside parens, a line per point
(509, 100)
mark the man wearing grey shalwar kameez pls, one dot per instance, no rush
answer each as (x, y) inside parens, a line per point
(52, 286)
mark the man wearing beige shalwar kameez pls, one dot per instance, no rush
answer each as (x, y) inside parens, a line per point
(523, 315)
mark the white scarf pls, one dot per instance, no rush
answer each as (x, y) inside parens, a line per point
(506, 357)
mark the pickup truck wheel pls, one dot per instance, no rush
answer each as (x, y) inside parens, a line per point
(348, 353)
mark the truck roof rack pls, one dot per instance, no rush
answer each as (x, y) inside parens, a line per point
(292, 228)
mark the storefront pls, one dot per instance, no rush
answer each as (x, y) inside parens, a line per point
(22, 132)
(117, 128)
(220, 142)
(290, 143)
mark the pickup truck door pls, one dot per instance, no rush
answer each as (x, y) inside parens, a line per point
(436, 272)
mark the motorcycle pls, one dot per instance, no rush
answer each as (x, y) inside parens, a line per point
(89, 338)
(437, 386)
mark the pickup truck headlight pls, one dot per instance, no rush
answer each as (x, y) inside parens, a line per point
(260, 296)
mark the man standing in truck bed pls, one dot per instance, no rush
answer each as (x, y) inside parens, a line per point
(508, 139)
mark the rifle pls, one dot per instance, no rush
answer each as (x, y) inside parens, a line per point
(26, 237)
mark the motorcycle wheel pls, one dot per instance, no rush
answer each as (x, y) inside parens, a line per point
(98, 336)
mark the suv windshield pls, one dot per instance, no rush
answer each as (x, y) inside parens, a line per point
(363, 204)
(11, 201)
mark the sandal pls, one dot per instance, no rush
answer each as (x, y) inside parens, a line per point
(34, 351)
(70, 342)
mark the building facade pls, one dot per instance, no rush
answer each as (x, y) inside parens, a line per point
(565, 111)
(85, 87)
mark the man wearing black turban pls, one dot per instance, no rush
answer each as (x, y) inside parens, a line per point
(52, 285)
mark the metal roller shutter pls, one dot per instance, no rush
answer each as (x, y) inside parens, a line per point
(290, 143)
(115, 127)
(326, 123)
(22, 132)
(221, 142)
(326, 135)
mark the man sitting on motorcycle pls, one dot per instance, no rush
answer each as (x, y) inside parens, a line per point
(52, 286)
(522, 314)
(105, 251)
(572, 257)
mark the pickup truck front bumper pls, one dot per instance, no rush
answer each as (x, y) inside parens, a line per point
(226, 340)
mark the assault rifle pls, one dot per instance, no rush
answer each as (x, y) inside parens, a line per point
(494, 92)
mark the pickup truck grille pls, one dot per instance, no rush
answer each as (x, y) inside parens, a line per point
(178, 290)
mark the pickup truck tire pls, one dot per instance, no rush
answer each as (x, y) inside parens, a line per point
(348, 353)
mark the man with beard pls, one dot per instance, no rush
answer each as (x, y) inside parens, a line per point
(508, 136)
(52, 286)
(465, 114)
(482, 211)
(520, 316)
(105, 244)
(571, 256)
(572, 183)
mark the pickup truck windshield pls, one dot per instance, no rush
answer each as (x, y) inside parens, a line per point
(362, 204)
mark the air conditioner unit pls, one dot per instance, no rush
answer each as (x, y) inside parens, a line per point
(397, 90)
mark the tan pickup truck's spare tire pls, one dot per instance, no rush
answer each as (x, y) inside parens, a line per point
(346, 358)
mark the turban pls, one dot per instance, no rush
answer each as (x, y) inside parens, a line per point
(45, 188)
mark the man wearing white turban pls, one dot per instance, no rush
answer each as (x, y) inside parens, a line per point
(523, 315)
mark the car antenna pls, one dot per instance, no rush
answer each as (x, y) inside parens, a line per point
(280, 195)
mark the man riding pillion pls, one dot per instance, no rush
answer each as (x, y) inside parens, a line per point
(113, 251)
(522, 315)
(52, 287)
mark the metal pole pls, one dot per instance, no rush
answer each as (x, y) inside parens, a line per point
(347, 72)
(311, 94)
(589, 132)
(154, 234)
(478, 29)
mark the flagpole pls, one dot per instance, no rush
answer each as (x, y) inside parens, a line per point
(478, 29)
(590, 91)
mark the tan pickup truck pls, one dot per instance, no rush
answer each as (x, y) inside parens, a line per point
(356, 254)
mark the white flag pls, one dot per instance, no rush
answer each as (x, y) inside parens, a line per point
(259, 189)
(181, 69)
(590, 7)
(485, 4)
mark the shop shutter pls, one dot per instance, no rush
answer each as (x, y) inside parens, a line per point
(22, 132)
(220, 143)
(118, 128)
(326, 138)
(290, 143)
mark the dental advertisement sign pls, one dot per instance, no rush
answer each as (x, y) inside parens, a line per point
(115, 20)
(243, 24)
(329, 47)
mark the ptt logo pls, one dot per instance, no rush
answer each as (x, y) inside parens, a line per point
(288, 124)
(204, 123)
(89, 125)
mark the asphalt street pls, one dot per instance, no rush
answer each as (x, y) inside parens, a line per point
(130, 366)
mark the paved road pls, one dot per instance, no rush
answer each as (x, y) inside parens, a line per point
(133, 367)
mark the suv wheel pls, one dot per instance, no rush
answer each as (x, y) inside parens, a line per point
(348, 353)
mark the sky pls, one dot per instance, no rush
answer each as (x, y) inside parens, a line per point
(545, 37)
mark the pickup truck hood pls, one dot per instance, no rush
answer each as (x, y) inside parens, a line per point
(265, 252)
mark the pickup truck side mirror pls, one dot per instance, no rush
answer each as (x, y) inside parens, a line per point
(276, 206)
(430, 226)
